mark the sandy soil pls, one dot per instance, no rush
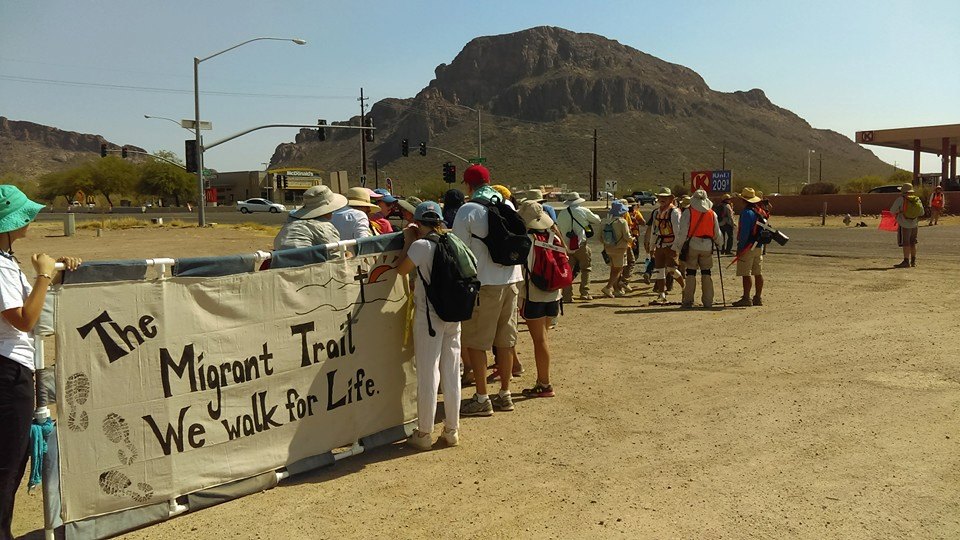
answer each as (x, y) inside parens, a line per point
(830, 412)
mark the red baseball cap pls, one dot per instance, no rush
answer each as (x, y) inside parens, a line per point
(476, 175)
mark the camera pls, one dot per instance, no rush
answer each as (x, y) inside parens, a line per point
(769, 234)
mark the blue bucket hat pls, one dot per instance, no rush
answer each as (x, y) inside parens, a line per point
(428, 212)
(387, 197)
(16, 210)
(617, 208)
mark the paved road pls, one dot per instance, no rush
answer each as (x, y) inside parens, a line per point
(189, 217)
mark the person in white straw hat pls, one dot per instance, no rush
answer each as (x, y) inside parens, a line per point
(576, 224)
(749, 249)
(908, 209)
(310, 224)
(700, 229)
(353, 221)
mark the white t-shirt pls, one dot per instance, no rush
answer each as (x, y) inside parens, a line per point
(353, 224)
(14, 289)
(421, 253)
(472, 220)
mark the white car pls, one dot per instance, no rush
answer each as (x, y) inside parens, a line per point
(260, 205)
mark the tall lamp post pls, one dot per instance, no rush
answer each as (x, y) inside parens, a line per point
(202, 219)
(809, 152)
(479, 132)
(168, 120)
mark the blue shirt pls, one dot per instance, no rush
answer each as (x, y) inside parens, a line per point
(746, 235)
(550, 212)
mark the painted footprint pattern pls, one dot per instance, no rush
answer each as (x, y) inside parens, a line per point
(76, 391)
(118, 484)
(118, 431)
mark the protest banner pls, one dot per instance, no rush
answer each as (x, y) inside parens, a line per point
(170, 386)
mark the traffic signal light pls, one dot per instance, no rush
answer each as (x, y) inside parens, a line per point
(190, 153)
(423, 148)
(284, 181)
(123, 152)
(404, 148)
(321, 133)
(449, 173)
(103, 150)
(276, 178)
(368, 133)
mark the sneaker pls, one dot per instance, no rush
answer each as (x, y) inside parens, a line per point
(607, 292)
(539, 390)
(757, 301)
(913, 262)
(903, 264)
(451, 437)
(626, 288)
(502, 403)
(473, 407)
(420, 441)
(619, 293)
(646, 278)
(686, 306)
(585, 298)
(743, 302)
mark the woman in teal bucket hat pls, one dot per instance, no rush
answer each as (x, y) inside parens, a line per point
(20, 305)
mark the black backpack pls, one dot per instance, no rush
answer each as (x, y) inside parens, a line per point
(506, 239)
(453, 286)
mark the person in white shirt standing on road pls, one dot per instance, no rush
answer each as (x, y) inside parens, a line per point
(21, 305)
(494, 321)
(573, 221)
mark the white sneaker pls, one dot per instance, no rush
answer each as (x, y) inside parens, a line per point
(607, 292)
(451, 436)
(420, 441)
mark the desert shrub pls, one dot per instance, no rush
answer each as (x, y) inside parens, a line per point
(114, 224)
(819, 188)
(864, 184)
(679, 190)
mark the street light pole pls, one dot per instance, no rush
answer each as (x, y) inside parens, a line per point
(809, 151)
(201, 214)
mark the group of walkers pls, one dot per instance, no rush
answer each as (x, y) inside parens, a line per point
(327, 217)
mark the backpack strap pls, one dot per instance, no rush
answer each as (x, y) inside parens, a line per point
(435, 238)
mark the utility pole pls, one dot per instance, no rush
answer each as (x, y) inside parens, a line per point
(723, 160)
(594, 184)
(376, 173)
(363, 138)
(821, 167)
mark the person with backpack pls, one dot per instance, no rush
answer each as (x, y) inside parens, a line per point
(634, 221)
(547, 272)
(660, 239)
(576, 225)
(700, 230)
(616, 244)
(725, 217)
(497, 237)
(908, 209)
(432, 252)
(749, 257)
(937, 204)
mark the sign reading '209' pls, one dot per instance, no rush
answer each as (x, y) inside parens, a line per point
(711, 181)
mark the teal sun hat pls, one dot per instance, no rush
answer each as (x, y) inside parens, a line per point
(16, 210)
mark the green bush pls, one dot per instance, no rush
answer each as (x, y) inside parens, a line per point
(432, 190)
(819, 188)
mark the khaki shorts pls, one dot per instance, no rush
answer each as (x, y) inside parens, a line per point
(618, 256)
(664, 257)
(494, 320)
(750, 263)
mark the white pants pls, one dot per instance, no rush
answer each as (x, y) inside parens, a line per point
(438, 361)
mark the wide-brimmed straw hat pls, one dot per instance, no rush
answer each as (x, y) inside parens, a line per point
(618, 208)
(530, 195)
(318, 201)
(533, 216)
(750, 195)
(16, 210)
(359, 196)
(574, 199)
(665, 192)
(906, 188)
(726, 197)
(684, 201)
(410, 204)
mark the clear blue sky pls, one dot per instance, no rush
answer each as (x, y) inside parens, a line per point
(841, 65)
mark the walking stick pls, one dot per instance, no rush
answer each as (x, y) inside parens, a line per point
(723, 293)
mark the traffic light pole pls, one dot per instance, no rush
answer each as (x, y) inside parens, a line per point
(465, 160)
(201, 204)
(244, 132)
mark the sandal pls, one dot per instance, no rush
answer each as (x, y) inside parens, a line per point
(539, 390)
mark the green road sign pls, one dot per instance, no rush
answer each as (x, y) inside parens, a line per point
(478, 160)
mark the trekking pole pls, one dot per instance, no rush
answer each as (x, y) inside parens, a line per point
(723, 293)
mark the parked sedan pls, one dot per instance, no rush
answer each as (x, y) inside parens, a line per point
(259, 205)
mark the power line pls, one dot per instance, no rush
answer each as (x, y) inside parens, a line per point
(158, 90)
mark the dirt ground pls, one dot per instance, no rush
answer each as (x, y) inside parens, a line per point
(830, 412)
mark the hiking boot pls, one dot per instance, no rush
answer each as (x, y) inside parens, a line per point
(502, 403)
(903, 264)
(539, 390)
(451, 437)
(473, 407)
(419, 440)
(743, 302)
(607, 292)
(757, 301)
(684, 305)
(913, 262)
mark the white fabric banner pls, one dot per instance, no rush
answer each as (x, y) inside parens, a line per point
(166, 387)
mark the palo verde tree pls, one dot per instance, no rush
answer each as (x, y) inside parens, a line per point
(109, 175)
(166, 180)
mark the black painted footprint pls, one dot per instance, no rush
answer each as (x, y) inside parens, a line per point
(77, 391)
(118, 431)
(117, 483)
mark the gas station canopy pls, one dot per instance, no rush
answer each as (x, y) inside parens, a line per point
(939, 140)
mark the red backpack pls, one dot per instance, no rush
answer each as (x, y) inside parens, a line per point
(551, 266)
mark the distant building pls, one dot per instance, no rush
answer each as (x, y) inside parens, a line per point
(282, 185)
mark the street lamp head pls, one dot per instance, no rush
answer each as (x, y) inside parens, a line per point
(299, 41)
